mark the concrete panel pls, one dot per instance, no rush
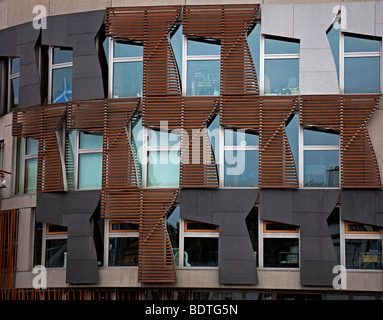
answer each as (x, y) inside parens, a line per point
(318, 83)
(3, 14)
(134, 3)
(57, 7)
(277, 20)
(318, 249)
(25, 236)
(359, 206)
(318, 273)
(276, 205)
(232, 271)
(360, 17)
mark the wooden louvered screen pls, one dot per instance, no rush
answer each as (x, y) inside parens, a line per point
(148, 209)
(150, 25)
(43, 123)
(230, 24)
(348, 114)
(8, 234)
(267, 115)
(109, 117)
(190, 114)
(276, 162)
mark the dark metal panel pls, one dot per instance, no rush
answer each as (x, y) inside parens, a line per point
(228, 209)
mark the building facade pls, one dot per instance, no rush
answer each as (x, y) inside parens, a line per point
(191, 151)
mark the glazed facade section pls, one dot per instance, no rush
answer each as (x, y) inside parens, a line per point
(174, 142)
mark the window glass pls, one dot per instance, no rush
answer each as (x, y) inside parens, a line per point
(32, 146)
(62, 84)
(254, 40)
(321, 168)
(203, 78)
(176, 43)
(90, 170)
(56, 229)
(90, 140)
(123, 251)
(201, 252)
(359, 44)
(241, 168)
(14, 92)
(163, 169)
(234, 137)
(292, 132)
(173, 226)
(279, 227)
(55, 255)
(205, 47)
(277, 82)
(123, 226)
(15, 65)
(127, 79)
(124, 49)
(363, 254)
(137, 142)
(62, 55)
(281, 252)
(163, 138)
(333, 222)
(199, 226)
(279, 46)
(30, 179)
(316, 138)
(362, 75)
(252, 227)
(361, 228)
(333, 39)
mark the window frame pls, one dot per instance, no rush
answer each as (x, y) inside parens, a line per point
(158, 148)
(20, 167)
(356, 235)
(223, 148)
(343, 55)
(109, 233)
(55, 66)
(11, 76)
(267, 56)
(76, 157)
(186, 58)
(46, 236)
(303, 148)
(113, 60)
(282, 234)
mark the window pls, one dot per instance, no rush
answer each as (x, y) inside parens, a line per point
(26, 171)
(55, 241)
(85, 152)
(320, 158)
(279, 69)
(123, 244)
(280, 245)
(157, 155)
(363, 246)
(357, 59)
(202, 67)
(60, 74)
(241, 153)
(195, 244)
(125, 68)
(13, 83)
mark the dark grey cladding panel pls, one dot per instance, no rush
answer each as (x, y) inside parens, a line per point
(228, 209)
(308, 209)
(362, 206)
(73, 209)
(8, 42)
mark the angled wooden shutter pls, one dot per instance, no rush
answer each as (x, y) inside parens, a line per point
(348, 114)
(150, 25)
(230, 24)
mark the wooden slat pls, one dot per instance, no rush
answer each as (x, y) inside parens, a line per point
(347, 114)
(8, 233)
(150, 25)
(147, 208)
(229, 24)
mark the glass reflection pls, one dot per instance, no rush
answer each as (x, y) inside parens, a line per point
(203, 78)
(90, 170)
(359, 44)
(281, 252)
(123, 251)
(321, 168)
(317, 138)
(363, 254)
(127, 79)
(163, 169)
(62, 84)
(279, 46)
(362, 75)
(241, 168)
(201, 252)
(281, 76)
